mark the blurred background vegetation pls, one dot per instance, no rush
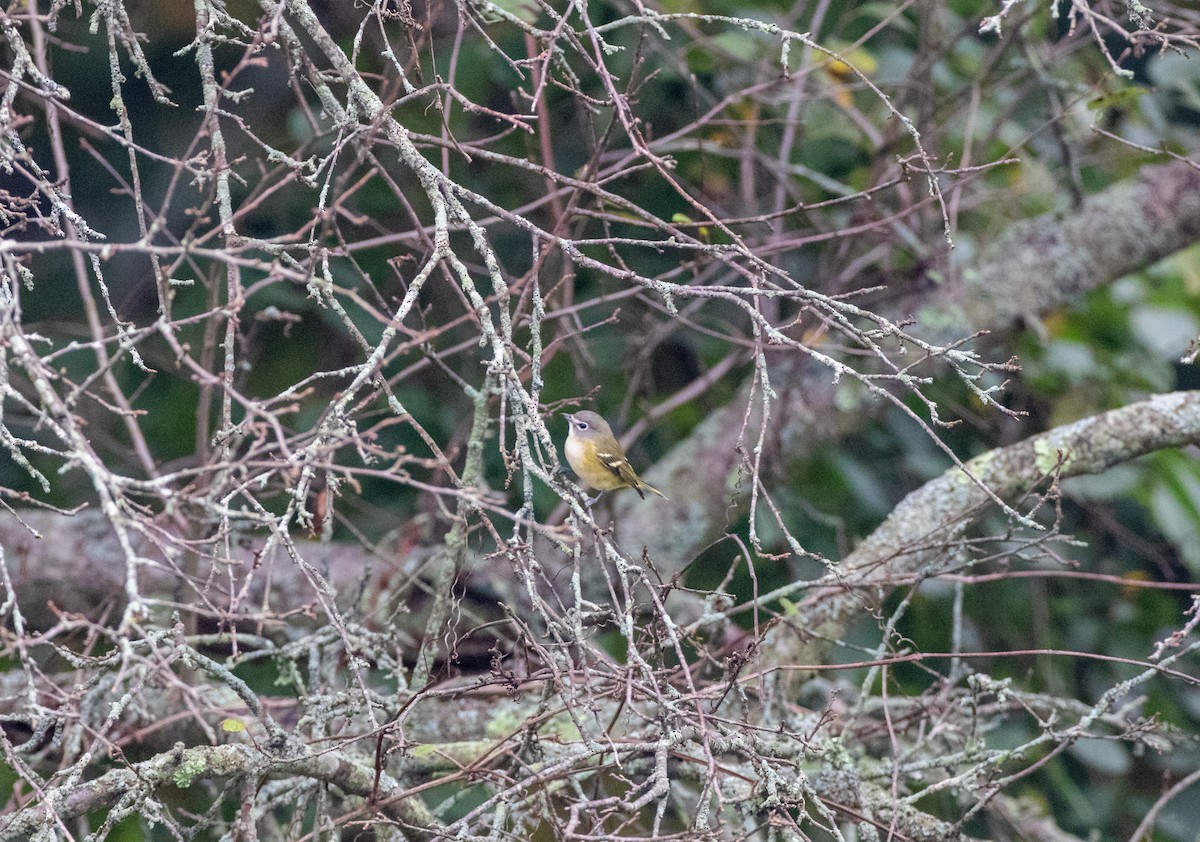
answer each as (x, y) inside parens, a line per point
(1040, 96)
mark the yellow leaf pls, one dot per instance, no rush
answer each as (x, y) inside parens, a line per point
(856, 59)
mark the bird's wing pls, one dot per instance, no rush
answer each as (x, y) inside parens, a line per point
(621, 469)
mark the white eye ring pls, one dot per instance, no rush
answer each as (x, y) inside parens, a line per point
(581, 425)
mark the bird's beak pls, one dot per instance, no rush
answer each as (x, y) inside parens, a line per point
(568, 416)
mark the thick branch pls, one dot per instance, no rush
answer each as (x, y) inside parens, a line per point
(181, 767)
(74, 565)
(1039, 265)
(915, 536)
(1051, 261)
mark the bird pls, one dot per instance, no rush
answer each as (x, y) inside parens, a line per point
(597, 457)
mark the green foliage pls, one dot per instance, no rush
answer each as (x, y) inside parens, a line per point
(806, 162)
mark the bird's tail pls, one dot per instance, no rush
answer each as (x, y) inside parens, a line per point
(650, 487)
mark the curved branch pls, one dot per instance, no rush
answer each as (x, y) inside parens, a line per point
(916, 535)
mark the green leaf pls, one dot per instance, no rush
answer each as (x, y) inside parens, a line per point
(1175, 505)
(1125, 96)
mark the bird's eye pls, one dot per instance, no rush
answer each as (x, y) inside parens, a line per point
(581, 425)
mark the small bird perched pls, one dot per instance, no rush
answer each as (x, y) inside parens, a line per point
(596, 456)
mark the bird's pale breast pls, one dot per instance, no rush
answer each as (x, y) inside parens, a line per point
(581, 456)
